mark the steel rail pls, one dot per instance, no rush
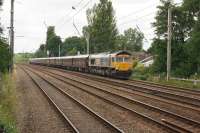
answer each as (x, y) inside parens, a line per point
(168, 95)
(52, 102)
(177, 127)
(105, 122)
(171, 88)
(140, 114)
(135, 101)
(167, 86)
(98, 79)
(183, 99)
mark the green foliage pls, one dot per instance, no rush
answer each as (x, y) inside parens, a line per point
(159, 49)
(72, 45)
(185, 39)
(141, 73)
(41, 52)
(7, 104)
(4, 51)
(53, 42)
(132, 40)
(194, 49)
(4, 55)
(102, 27)
(23, 57)
(102, 32)
(192, 6)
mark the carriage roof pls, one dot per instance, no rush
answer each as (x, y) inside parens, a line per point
(100, 55)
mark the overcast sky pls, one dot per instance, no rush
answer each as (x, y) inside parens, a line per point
(32, 17)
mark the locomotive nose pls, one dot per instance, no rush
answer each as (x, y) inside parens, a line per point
(124, 66)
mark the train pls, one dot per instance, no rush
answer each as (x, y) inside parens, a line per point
(117, 64)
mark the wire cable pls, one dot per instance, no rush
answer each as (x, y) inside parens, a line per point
(138, 11)
(135, 19)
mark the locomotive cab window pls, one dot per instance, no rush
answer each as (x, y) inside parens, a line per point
(123, 59)
(119, 59)
(127, 59)
(113, 59)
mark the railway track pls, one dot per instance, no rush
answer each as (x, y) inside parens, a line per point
(152, 100)
(189, 100)
(183, 91)
(170, 87)
(76, 116)
(69, 124)
(172, 122)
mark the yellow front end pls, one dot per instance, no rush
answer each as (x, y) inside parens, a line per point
(122, 66)
(122, 63)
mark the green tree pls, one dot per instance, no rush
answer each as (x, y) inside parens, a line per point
(180, 31)
(192, 8)
(4, 50)
(131, 40)
(102, 27)
(53, 41)
(194, 48)
(4, 55)
(134, 39)
(120, 42)
(41, 52)
(72, 45)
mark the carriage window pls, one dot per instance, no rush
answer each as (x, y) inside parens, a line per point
(92, 61)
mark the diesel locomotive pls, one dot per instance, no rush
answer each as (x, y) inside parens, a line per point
(118, 64)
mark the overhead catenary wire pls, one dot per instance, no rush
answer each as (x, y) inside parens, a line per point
(71, 18)
(69, 12)
(77, 11)
(135, 19)
(121, 18)
(138, 11)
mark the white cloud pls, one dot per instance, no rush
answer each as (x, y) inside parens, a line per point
(31, 14)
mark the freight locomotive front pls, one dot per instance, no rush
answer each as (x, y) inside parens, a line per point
(118, 64)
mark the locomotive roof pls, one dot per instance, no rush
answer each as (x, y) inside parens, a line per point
(121, 52)
(107, 54)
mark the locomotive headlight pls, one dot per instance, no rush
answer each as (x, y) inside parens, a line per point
(117, 67)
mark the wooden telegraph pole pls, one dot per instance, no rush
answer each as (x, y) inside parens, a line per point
(11, 34)
(169, 40)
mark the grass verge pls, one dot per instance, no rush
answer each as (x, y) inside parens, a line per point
(7, 104)
(163, 81)
(184, 84)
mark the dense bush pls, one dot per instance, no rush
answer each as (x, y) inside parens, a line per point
(4, 56)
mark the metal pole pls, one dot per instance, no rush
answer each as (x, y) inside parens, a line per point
(12, 34)
(45, 45)
(59, 50)
(169, 41)
(88, 43)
